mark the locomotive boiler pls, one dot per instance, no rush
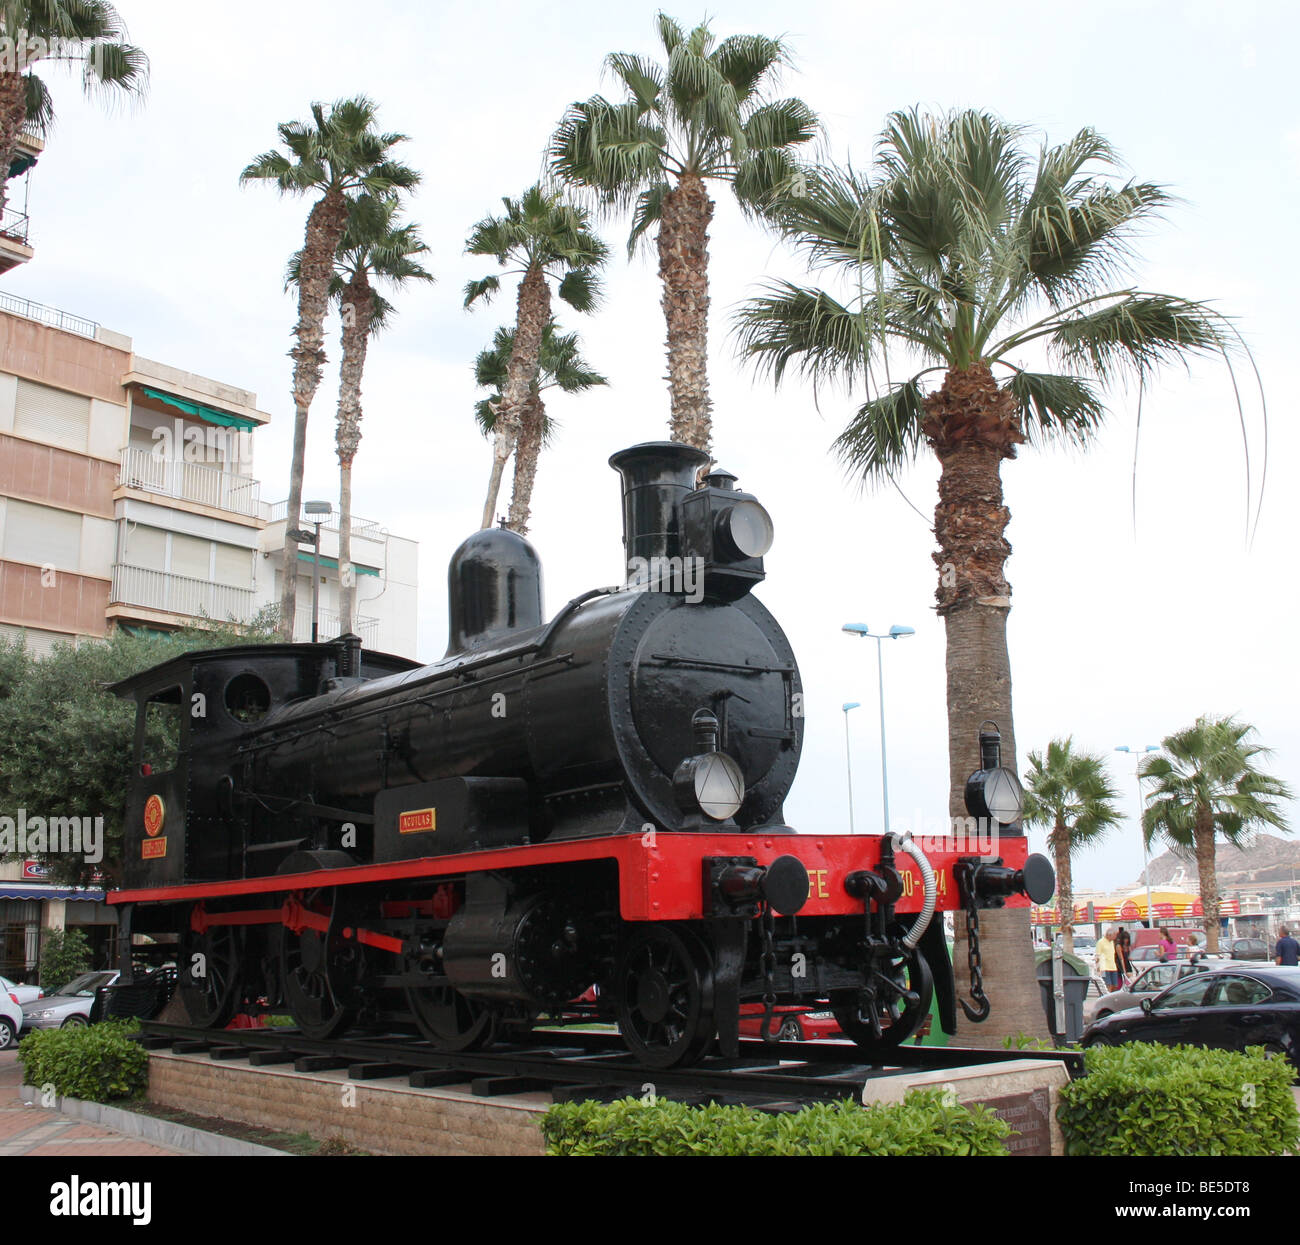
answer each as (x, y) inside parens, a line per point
(581, 817)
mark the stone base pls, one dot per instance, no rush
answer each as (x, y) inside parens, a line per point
(1023, 1092)
(383, 1117)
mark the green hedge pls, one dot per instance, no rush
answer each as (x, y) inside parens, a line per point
(926, 1122)
(1146, 1100)
(98, 1063)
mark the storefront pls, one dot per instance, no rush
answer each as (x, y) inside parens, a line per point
(30, 906)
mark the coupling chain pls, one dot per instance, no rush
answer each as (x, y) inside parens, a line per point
(973, 961)
(767, 962)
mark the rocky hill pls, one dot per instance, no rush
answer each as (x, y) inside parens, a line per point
(1267, 859)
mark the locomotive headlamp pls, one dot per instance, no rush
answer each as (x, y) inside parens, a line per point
(709, 782)
(993, 792)
(745, 530)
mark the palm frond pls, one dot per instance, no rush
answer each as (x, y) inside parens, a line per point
(807, 328)
(745, 60)
(580, 288)
(484, 289)
(1052, 406)
(885, 434)
(649, 211)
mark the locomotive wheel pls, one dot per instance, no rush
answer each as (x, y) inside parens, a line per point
(319, 974)
(889, 1018)
(448, 1020)
(665, 996)
(210, 975)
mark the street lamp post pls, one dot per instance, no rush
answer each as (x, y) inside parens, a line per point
(1136, 754)
(321, 510)
(848, 754)
(894, 633)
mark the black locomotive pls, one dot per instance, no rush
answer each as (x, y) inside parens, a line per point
(573, 818)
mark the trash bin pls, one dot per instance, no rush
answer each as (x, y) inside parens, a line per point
(1075, 979)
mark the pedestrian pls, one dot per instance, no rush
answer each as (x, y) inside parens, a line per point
(1194, 949)
(1124, 955)
(1106, 959)
(1287, 950)
(1167, 948)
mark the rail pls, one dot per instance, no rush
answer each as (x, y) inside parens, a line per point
(46, 315)
(367, 529)
(209, 486)
(179, 594)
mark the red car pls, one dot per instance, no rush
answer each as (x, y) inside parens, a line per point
(791, 1024)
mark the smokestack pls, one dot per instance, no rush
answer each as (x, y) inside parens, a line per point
(656, 476)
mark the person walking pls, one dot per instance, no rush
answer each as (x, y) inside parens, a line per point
(1106, 959)
(1124, 955)
(1167, 948)
(1287, 951)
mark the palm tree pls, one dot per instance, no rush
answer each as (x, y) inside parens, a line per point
(559, 366)
(375, 245)
(1069, 794)
(970, 253)
(1206, 785)
(545, 238)
(702, 117)
(87, 32)
(340, 155)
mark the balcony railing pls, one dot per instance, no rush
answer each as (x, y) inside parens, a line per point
(13, 225)
(327, 626)
(209, 486)
(367, 529)
(48, 315)
(179, 594)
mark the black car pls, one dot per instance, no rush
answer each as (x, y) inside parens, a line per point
(1248, 949)
(1228, 1007)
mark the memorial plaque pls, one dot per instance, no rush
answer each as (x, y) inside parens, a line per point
(1030, 1114)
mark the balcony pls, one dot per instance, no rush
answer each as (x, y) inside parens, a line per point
(14, 247)
(178, 594)
(208, 486)
(327, 626)
(366, 529)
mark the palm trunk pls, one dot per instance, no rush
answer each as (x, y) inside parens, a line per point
(971, 425)
(533, 311)
(1060, 844)
(325, 224)
(358, 313)
(13, 113)
(684, 271)
(527, 451)
(1203, 837)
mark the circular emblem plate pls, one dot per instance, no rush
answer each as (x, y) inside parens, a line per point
(155, 813)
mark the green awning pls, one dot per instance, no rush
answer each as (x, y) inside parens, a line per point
(203, 412)
(331, 564)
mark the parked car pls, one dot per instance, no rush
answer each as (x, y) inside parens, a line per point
(1229, 1007)
(69, 1005)
(11, 1021)
(1248, 949)
(790, 1024)
(20, 994)
(1150, 981)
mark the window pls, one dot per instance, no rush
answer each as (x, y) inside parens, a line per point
(1189, 993)
(145, 547)
(52, 416)
(42, 535)
(191, 556)
(1157, 978)
(233, 566)
(1238, 992)
(162, 731)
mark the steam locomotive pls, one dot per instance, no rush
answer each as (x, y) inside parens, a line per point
(579, 818)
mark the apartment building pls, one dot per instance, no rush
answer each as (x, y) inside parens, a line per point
(128, 499)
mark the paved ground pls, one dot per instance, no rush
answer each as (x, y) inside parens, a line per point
(33, 1130)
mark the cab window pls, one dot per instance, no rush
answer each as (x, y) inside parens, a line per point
(160, 738)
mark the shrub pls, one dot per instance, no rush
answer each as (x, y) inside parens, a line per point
(98, 1063)
(1146, 1100)
(65, 955)
(926, 1122)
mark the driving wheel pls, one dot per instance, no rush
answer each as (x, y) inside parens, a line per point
(892, 1006)
(665, 996)
(320, 970)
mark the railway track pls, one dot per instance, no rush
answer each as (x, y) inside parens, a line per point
(569, 1065)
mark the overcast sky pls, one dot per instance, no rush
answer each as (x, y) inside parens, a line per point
(1121, 631)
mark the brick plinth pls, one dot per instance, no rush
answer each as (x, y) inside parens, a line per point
(383, 1117)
